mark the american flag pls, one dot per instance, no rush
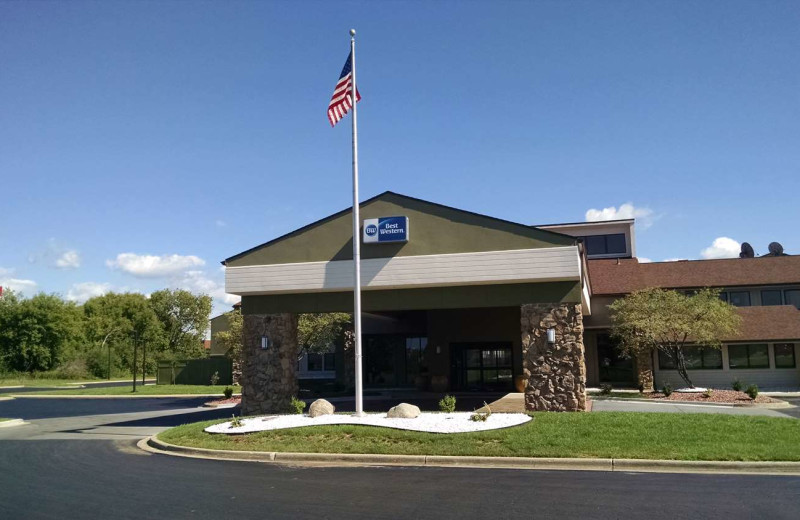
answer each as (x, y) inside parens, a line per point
(342, 99)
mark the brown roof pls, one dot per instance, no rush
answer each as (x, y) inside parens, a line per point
(773, 323)
(627, 275)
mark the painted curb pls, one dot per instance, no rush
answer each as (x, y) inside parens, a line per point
(12, 422)
(766, 406)
(156, 446)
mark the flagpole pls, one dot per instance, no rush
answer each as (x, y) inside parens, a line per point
(356, 234)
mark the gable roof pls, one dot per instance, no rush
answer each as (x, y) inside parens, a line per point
(388, 195)
(627, 275)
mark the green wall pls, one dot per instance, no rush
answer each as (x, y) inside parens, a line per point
(471, 296)
(433, 229)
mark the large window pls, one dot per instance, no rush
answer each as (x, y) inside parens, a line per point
(771, 297)
(739, 298)
(748, 356)
(784, 355)
(415, 357)
(696, 358)
(792, 297)
(605, 244)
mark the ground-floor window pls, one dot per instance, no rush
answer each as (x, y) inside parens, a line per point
(482, 366)
(696, 358)
(613, 367)
(317, 366)
(784, 355)
(748, 356)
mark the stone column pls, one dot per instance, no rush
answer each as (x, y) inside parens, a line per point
(556, 373)
(644, 370)
(269, 376)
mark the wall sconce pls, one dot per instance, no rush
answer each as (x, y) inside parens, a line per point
(438, 349)
(551, 336)
(264, 342)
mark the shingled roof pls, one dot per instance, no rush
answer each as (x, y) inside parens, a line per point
(771, 323)
(613, 277)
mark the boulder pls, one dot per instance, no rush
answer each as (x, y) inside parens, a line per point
(320, 407)
(403, 411)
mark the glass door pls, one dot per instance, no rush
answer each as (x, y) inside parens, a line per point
(481, 366)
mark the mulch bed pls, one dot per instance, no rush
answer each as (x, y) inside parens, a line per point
(232, 400)
(717, 396)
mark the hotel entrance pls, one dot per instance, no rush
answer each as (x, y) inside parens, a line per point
(482, 366)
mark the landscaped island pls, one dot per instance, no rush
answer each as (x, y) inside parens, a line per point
(602, 434)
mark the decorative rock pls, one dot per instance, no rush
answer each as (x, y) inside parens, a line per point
(403, 411)
(320, 407)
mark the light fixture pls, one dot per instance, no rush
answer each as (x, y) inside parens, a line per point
(551, 336)
(264, 342)
(438, 349)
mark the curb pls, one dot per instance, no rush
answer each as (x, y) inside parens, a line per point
(5, 398)
(768, 406)
(119, 396)
(12, 422)
(156, 446)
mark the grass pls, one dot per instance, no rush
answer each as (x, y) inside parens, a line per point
(24, 381)
(601, 434)
(3, 419)
(143, 390)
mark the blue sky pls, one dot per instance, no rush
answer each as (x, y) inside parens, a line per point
(177, 134)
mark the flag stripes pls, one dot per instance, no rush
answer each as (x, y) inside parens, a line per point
(342, 99)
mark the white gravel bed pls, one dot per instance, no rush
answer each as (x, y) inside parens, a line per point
(457, 422)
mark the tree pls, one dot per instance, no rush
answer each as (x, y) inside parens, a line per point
(231, 340)
(37, 333)
(672, 322)
(184, 318)
(317, 332)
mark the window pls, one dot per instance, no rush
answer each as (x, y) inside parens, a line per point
(740, 298)
(606, 244)
(784, 355)
(330, 361)
(771, 297)
(723, 296)
(696, 358)
(314, 362)
(748, 356)
(415, 357)
(792, 297)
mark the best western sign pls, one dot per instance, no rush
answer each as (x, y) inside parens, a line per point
(385, 229)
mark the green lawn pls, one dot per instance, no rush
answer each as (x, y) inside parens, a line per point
(143, 390)
(25, 381)
(602, 434)
(3, 419)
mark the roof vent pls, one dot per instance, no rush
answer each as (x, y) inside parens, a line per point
(775, 249)
(747, 251)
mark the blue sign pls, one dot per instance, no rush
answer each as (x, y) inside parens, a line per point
(385, 229)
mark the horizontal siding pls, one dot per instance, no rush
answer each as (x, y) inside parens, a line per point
(516, 266)
(765, 378)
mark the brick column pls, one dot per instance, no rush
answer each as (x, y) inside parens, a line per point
(556, 373)
(269, 376)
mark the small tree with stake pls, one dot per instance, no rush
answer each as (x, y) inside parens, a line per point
(672, 322)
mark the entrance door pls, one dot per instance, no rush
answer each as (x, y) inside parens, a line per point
(482, 366)
(613, 368)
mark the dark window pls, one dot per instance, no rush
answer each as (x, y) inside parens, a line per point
(665, 362)
(314, 362)
(606, 244)
(696, 359)
(748, 356)
(771, 297)
(792, 297)
(330, 361)
(723, 296)
(740, 298)
(784, 355)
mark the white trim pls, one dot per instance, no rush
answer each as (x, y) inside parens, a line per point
(483, 268)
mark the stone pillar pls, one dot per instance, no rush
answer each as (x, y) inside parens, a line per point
(556, 373)
(269, 376)
(644, 370)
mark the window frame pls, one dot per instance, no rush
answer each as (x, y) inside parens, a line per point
(780, 297)
(702, 366)
(604, 237)
(786, 298)
(793, 351)
(749, 364)
(749, 298)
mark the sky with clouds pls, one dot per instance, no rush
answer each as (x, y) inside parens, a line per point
(143, 143)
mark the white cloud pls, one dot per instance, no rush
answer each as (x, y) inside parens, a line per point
(644, 260)
(198, 282)
(644, 216)
(7, 282)
(152, 266)
(80, 292)
(722, 247)
(68, 260)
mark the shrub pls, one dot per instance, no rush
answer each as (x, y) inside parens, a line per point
(236, 422)
(708, 393)
(228, 392)
(215, 379)
(481, 416)
(606, 389)
(752, 391)
(666, 390)
(297, 405)
(736, 385)
(447, 404)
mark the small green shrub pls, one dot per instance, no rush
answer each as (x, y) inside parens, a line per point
(708, 393)
(215, 379)
(228, 392)
(297, 405)
(736, 385)
(752, 391)
(481, 416)
(666, 390)
(448, 404)
(236, 422)
(606, 389)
